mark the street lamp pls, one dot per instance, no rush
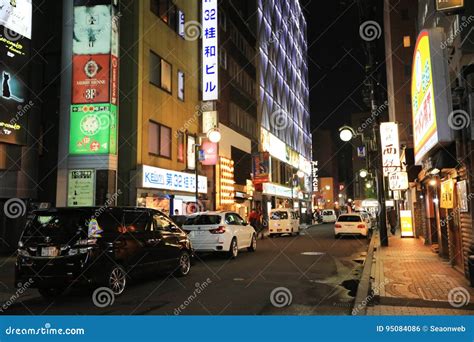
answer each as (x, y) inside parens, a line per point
(363, 173)
(346, 133)
(214, 135)
(327, 187)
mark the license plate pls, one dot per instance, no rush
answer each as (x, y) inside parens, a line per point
(49, 252)
(278, 230)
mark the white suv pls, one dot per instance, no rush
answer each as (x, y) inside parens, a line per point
(220, 231)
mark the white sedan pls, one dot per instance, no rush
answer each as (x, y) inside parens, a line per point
(220, 231)
(351, 224)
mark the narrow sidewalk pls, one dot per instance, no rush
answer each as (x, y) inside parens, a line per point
(409, 279)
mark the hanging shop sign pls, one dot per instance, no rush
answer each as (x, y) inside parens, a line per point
(209, 121)
(210, 153)
(406, 223)
(449, 5)
(447, 194)
(17, 16)
(210, 53)
(431, 94)
(93, 129)
(261, 167)
(226, 182)
(463, 200)
(157, 178)
(390, 147)
(81, 188)
(398, 181)
(315, 174)
(361, 152)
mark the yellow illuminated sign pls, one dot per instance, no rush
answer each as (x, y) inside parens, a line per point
(444, 5)
(406, 223)
(447, 194)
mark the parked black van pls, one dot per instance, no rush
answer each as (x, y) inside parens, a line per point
(105, 246)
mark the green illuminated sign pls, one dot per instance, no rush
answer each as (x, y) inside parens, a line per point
(93, 129)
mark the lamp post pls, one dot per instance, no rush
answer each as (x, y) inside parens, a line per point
(347, 133)
(214, 135)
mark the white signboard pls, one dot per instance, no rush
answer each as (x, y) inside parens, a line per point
(17, 16)
(398, 181)
(191, 153)
(156, 178)
(92, 30)
(80, 188)
(277, 190)
(210, 55)
(390, 147)
(315, 176)
(209, 121)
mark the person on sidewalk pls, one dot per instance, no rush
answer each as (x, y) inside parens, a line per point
(392, 220)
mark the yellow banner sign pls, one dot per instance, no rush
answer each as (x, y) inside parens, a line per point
(406, 223)
(447, 194)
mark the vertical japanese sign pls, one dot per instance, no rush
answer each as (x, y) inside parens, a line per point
(210, 55)
(447, 194)
(95, 78)
(390, 147)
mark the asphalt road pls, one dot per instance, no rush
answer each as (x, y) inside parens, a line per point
(310, 274)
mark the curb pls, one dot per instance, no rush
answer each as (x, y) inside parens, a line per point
(362, 296)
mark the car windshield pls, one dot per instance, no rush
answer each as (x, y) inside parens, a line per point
(202, 219)
(60, 226)
(279, 215)
(349, 218)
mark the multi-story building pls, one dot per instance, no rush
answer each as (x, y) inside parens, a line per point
(160, 106)
(442, 108)
(283, 110)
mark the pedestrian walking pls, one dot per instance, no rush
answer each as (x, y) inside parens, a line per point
(392, 220)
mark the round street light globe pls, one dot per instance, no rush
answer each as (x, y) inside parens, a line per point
(340, 195)
(300, 174)
(363, 173)
(345, 134)
(214, 135)
(328, 187)
(368, 185)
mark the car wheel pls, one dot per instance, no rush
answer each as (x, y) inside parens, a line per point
(51, 292)
(234, 249)
(253, 244)
(337, 236)
(184, 264)
(271, 235)
(117, 279)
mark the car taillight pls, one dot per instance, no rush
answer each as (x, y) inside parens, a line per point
(338, 226)
(220, 230)
(361, 226)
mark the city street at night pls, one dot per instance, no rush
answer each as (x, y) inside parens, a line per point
(317, 275)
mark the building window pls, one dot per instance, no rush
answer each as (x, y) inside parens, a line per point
(168, 12)
(160, 72)
(223, 58)
(181, 85)
(406, 41)
(181, 146)
(159, 140)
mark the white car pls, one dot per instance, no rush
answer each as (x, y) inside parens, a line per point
(351, 224)
(283, 221)
(220, 231)
(329, 216)
(366, 216)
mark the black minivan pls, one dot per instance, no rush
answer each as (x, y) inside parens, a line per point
(104, 246)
